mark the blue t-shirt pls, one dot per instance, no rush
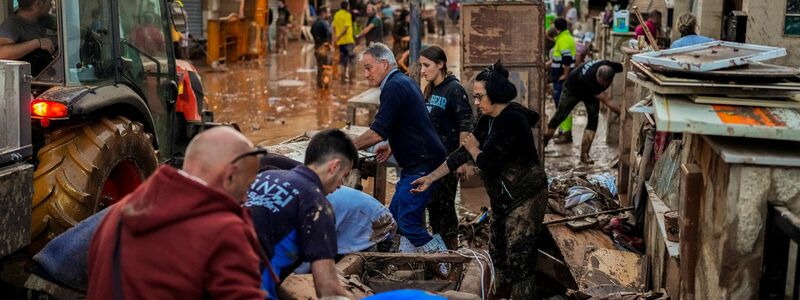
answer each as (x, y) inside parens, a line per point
(690, 40)
(403, 120)
(293, 220)
(361, 221)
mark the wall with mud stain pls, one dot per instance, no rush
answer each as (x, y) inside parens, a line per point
(765, 21)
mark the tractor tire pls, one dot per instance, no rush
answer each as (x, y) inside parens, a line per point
(85, 168)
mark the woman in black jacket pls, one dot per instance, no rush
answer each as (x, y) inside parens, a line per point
(502, 146)
(448, 106)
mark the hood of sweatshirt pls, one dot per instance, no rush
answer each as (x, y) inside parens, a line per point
(169, 197)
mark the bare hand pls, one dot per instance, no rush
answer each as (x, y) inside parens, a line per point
(383, 152)
(563, 77)
(421, 184)
(470, 142)
(47, 44)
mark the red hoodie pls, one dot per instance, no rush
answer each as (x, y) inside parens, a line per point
(179, 240)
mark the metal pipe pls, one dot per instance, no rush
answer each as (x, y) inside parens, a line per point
(415, 42)
(573, 218)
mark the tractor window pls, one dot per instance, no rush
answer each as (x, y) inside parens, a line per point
(88, 37)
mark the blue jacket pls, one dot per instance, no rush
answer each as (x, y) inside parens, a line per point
(403, 120)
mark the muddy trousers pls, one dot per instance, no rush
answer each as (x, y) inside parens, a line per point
(567, 104)
(324, 61)
(442, 211)
(513, 248)
(558, 86)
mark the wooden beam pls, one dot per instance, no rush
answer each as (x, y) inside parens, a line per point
(691, 192)
(395, 258)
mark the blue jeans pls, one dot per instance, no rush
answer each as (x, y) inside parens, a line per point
(409, 209)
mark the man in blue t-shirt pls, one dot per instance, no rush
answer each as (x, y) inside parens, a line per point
(294, 221)
(404, 122)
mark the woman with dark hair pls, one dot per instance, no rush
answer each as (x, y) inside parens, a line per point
(502, 146)
(448, 106)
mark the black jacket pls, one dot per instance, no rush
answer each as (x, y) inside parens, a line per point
(508, 162)
(450, 112)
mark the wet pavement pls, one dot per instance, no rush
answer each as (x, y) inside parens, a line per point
(276, 99)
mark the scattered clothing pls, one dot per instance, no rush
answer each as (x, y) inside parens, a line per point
(176, 239)
(690, 40)
(293, 219)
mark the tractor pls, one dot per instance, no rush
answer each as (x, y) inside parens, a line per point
(107, 107)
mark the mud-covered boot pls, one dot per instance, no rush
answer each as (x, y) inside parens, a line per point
(564, 138)
(586, 145)
(547, 136)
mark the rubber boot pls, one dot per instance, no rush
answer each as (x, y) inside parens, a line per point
(586, 145)
(564, 138)
(547, 136)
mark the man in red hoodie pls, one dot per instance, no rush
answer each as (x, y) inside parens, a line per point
(184, 234)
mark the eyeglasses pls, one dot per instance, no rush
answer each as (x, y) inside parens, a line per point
(258, 151)
(478, 96)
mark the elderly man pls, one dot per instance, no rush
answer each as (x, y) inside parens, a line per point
(183, 234)
(294, 221)
(404, 121)
(23, 36)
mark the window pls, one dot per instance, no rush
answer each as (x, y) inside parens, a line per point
(90, 57)
(791, 25)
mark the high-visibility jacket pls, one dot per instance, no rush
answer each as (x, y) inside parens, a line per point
(563, 52)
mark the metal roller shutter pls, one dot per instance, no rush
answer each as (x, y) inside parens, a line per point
(194, 10)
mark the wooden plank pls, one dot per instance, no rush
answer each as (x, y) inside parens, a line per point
(679, 114)
(702, 99)
(765, 153)
(397, 258)
(488, 35)
(710, 56)
(615, 267)
(691, 192)
(379, 188)
(555, 269)
(689, 87)
(574, 245)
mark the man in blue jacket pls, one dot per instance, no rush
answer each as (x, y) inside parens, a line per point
(404, 122)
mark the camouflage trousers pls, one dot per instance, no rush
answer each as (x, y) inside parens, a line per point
(513, 248)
